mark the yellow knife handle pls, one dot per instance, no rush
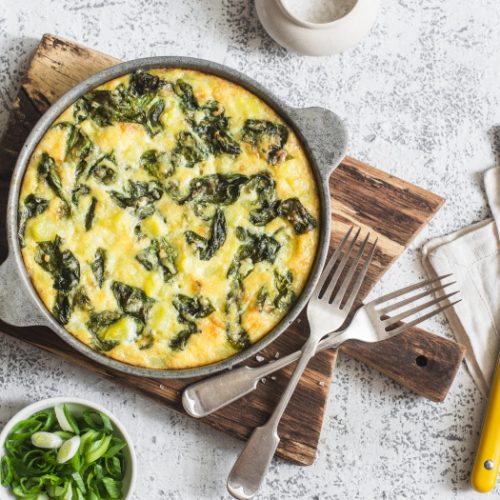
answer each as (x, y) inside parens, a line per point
(485, 471)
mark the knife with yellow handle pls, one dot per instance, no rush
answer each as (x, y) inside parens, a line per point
(485, 471)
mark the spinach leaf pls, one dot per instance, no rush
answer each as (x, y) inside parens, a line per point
(192, 308)
(208, 121)
(98, 266)
(213, 189)
(189, 309)
(167, 259)
(136, 104)
(89, 217)
(207, 247)
(32, 206)
(61, 264)
(132, 300)
(139, 195)
(145, 340)
(62, 308)
(142, 83)
(188, 151)
(65, 271)
(81, 167)
(186, 95)
(105, 107)
(159, 254)
(149, 256)
(99, 322)
(268, 137)
(211, 124)
(268, 203)
(153, 123)
(257, 247)
(66, 302)
(78, 144)
(271, 207)
(293, 211)
(80, 111)
(262, 295)
(286, 296)
(154, 163)
(78, 192)
(78, 147)
(81, 299)
(205, 211)
(104, 169)
(179, 342)
(47, 170)
(236, 335)
(218, 189)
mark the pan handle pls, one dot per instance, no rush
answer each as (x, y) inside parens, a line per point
(326, 135)
(16, 306)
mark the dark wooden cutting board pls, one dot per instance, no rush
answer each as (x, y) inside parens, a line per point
(390, 208)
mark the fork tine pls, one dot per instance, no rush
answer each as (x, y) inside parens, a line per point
(410, 312)
(333, 281)
(410, 288)
(339, 297)
(331, 262)
(416, 321)
(360, 278)
(413, 298)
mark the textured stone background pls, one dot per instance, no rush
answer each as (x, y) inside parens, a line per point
(421, 96)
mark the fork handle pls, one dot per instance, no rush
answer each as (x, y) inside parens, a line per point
(423, 362)
(211, 394)
(251, 466)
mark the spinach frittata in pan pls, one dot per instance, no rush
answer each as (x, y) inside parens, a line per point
(169, 218)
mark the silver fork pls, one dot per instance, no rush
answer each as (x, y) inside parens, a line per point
(206, 396)
(327, 310)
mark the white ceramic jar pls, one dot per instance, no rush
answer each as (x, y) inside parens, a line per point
(313, 38)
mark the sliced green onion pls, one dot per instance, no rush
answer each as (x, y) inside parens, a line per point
(112, 487)
(113, 467)
(79, 482)
(61, 418)
(79, 495)
(6, 470)
(97, 449)
(64, 435)
(115, 446)
(88, 437)
(72, 421)
(46, 440)
(68, 495)
(97, 421)
(44, 460)
(68, 450)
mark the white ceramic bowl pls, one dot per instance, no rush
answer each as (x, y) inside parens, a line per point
(317, 39)
(76, 405)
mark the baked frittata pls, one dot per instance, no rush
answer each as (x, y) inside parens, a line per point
(169, 218)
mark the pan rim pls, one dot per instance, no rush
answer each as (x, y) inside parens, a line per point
(69, 98)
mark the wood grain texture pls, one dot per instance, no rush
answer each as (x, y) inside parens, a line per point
(390, 207)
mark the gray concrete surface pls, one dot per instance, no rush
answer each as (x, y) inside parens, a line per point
(421, 96)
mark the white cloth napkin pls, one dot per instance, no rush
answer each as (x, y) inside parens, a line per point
(473, 256)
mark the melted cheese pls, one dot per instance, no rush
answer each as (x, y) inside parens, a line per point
(113, 229)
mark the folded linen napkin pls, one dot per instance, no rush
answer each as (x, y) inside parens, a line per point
(473, 256)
